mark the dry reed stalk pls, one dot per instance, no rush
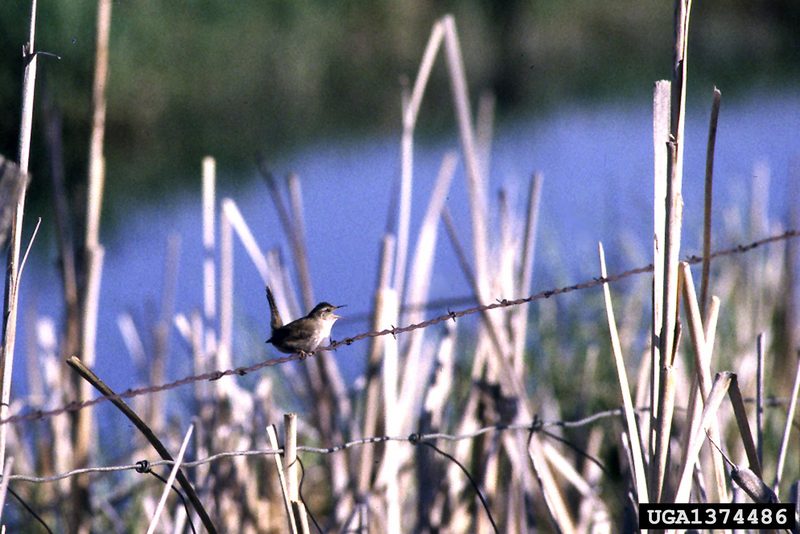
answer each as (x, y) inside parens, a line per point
(90, 377)
(161, 333)
(299, 239)
(554, 500)
(710, 146)
(525, 274)
(737, 402)
(787, 428)
(417, 366)
(372, 399)
(760, 397)
(94, 254)
(437, 396)
(683, 9)
(223, 356)
(484, 131)
(791, 294)
(10, 303)
(291, 468)
(476, 185)
(722, 382)
(94, 251)
(702, 379)
(9, 465)
(511, 383)
(637, 454)
(669, 332)
(170, 480)
(703, 352)
(272, 435)
(209, 178)
(410, 113)
(389, 471)
(475, 182)
(199, 363)
(96, 159)
(594, 515)
(64, 222)
(246, 237)
(661, 112)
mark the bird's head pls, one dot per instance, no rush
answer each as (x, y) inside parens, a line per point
(325, 312)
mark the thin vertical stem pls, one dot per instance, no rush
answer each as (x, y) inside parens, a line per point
(787, 429)
(96, 159)
(226, 269)
(290, 455)
(760, 398)
(712, 138)
(661, 112)
(272, 434)
(640, 481)
(4, 484)
(298, 240)
(410, 108)
(209, 266)
(475, 181)
(170, 480)
(372, 406)
(12, 278)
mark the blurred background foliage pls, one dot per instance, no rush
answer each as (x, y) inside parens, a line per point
(190, 78)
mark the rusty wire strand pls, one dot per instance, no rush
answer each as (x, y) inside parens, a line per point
(504, 303)
(144, 466)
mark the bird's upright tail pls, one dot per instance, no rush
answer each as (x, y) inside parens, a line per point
(274, 317)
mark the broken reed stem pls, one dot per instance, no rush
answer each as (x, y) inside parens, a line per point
(89, 376)
(372, 402)
(475, 182)
(10, 303)
(290, 455)
(669, 325)
(661, 113)
(298, 238)
(638, 471)
(760, 397)
(272, 435)
(712, 139)
(702, 352)
(410, 109)
(525, 274)
(722, 382)
(209, 244)
(788, 427)
(170, 480)
(672, 243)
(223, 356)
(9, 465)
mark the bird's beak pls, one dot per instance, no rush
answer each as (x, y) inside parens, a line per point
(336, 308)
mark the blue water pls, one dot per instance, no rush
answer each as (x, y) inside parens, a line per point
(597, 167)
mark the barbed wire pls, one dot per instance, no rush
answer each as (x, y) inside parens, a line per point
(145, 465)
(535, 426)
(393, 331)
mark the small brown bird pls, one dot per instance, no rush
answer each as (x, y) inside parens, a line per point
(304, 335)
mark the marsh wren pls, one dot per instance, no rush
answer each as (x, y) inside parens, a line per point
(304, 335)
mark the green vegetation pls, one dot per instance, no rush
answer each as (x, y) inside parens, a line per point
(191, 78)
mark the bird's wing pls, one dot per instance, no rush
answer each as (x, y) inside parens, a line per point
(274, 317)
